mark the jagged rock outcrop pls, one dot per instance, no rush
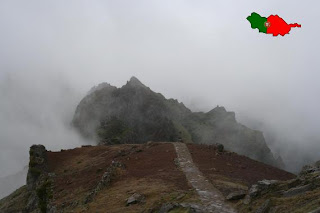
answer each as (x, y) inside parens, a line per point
(136, 114)
(296, 195)
(38, 181)
(310, 169)
(236, 195)
(132, 113)
(38, 165)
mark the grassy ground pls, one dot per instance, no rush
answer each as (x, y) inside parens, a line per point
(156, 193)
(15, 202)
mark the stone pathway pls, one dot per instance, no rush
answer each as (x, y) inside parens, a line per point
(212, 200)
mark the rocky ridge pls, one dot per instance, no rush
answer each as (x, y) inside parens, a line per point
(136, 114)
(36, 195)
(301, 194)
(130, 178)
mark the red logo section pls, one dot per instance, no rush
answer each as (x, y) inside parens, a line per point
(276, 25)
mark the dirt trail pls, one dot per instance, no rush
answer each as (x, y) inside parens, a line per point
(211, 198)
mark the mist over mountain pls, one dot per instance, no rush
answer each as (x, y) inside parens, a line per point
(296, 143)
(203, 54)
(136, 114)
(34, 110)
(12, 182)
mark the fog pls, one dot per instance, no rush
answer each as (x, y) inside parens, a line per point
(203, 53)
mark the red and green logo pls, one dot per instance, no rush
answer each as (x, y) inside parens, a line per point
(274, 24)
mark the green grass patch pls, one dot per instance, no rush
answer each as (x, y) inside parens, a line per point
(44, 194)
(35, 172)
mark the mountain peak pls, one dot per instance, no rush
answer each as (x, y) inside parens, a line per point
(140, 115)
(99, 87)
(218, 109)
(135, 82)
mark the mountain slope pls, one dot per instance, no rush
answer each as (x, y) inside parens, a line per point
(136, 114)
(102, 178)
(12, 182)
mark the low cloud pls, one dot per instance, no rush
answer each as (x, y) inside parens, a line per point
(202, 53)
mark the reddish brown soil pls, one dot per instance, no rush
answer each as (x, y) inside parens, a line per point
(79, 170)
(233, 166)
(155, 162)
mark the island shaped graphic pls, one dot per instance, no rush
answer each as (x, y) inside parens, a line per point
(274, 24)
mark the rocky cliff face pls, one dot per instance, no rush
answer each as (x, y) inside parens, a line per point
(300, 194)
(136, 114)
(36, 195)
(132, 113)
(38, 181)
(220, 126)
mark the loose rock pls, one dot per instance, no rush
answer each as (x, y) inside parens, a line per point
(247, 200)
(220, 147)
(264, 208)
(254, 190)
(166, 207)
(135, 198)
(297, 190)
(236, 195)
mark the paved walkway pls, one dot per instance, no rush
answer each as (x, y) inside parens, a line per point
(212, 200)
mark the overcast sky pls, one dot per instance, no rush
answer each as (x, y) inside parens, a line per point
(203, 53)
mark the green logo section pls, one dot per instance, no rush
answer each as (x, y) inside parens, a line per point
(258, 22)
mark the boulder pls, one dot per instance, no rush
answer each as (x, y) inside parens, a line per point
(264, 208)
(236, 195)
(220, 147)
(312, 168)
(266, 183)
(247, 200)
(254, 190)
(260, 187)
(180, 207)
(165, 208)
(297, 190)
(135, 198)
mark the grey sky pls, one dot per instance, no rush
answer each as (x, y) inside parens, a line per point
(202, 53)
